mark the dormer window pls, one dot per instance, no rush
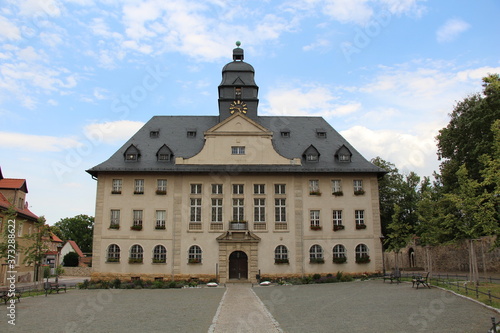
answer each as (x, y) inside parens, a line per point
(285, 134)
(191, 133)
(164, 154)
(320, 133)
(343, 154)
(311, 154)
(154, 134)
(132, 154)
(237, 93)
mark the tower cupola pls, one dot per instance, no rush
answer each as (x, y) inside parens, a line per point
(238, 91)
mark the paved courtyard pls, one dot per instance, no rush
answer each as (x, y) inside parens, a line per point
(364, 306)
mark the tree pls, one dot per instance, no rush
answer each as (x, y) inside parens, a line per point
(468, 135)
(79, 229)
(39, 241)
(71, 259)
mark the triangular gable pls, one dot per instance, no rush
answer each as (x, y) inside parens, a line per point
(238, 123)
(238, 81)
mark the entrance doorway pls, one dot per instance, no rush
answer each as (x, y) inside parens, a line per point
(238, 265)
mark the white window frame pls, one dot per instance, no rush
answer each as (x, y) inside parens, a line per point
(217, 210)
(217, 188)
(316, 252)
(137, 214)
(195, 210)
(359, 216)
(115, 217)
(139, 186)
(238, 188)
(259, 210)
(336, 185)
(281, 252)
(160, 253)
(136, 252)
(339, 251)
(196, 188)
(161, 185)
(238, 150)
(279, 188)
(357, 184)
(259, 188)
(161, 216)
(313, 185)
(238, 209)
(314, 217)
(117, 186)
(280, 210)
(337, 217)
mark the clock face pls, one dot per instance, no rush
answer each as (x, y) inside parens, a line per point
(238, 106)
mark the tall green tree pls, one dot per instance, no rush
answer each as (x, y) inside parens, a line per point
(79, 229)
(38, 245)
(468, 135)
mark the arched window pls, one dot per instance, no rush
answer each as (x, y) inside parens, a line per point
(194, 255)
(362, 255)
(159, 254)
(281, 255)
(339, 255)
(136, 254)
(316, 254)
(113, 253)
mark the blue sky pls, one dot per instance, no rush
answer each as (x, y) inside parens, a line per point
(79, 77)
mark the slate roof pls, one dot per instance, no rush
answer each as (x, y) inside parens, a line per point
(173, 133)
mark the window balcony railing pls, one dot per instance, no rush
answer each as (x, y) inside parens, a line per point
(238, 225)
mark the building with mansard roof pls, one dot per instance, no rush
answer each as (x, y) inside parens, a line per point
(236, 194)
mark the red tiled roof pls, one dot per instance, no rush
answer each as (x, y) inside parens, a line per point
(13, 184)
(76, 248)
(55, 238)
(6, 204)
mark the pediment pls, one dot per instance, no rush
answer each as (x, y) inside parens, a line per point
(238, 123)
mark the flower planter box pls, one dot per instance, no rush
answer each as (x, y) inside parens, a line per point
(135, 260)
(159, 192)
(114, 226)
(138, 192)
(194, 261)
(160, 227)
(116, 192)
(363, 260)
(136, 227)
(337, 227)
(281, 261)
(113, 260)
(360, 226)
(159, 261)
(359, 192)
(339, 260)
(317, 193)
(338, 194)
(316, 227)
(316, 260)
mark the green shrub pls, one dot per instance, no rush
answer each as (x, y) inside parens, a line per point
(71, 259)
(117, 283)
(316, 276)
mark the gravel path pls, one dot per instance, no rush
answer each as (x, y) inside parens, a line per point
(364, 306)
(373, 306)
(121, 310)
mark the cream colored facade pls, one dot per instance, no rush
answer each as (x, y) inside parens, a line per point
(235, 195)
(217, 240)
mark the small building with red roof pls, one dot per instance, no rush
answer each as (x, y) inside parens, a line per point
(13, 192)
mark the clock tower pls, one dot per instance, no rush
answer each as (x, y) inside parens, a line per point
(238, 91)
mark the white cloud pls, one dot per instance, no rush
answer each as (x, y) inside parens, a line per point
(39, 143)
(112, 132)
(346, 11)
(8, 30)
(318, 44)
(408, 152)
(311, 100)
(39, 8)
(451, 30)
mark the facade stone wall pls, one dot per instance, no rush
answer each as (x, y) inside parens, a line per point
(446, 258)
(77, 271)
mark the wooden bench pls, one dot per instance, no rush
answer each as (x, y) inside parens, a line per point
(394, 276)
(420, 280)
(49, 287)
(6, 295)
